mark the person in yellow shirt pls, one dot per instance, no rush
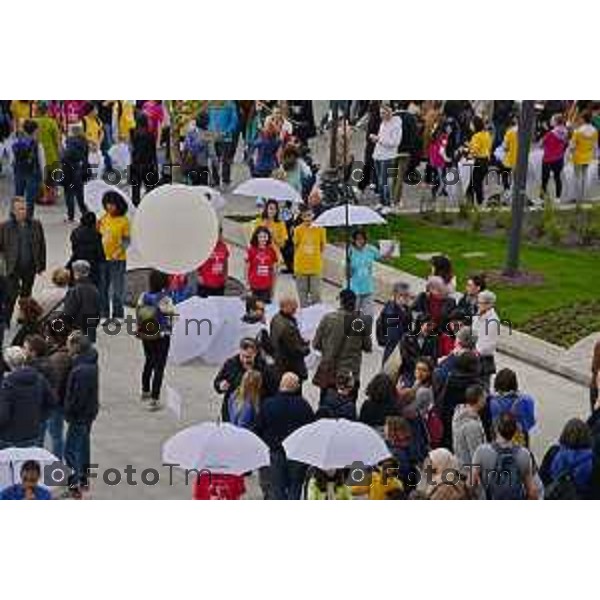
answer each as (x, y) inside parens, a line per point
(21, 112)
(510, 145)
(384, 483)
(271, 220)
(309, 245)
(114, 228)
(584, 144)
(124, 119)
(480, 149)
(94, 131)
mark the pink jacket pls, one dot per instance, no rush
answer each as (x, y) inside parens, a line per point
(555, 144)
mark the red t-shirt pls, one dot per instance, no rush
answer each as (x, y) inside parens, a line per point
(261, 263)
(215, 486)
(446, 344)
(214, 271)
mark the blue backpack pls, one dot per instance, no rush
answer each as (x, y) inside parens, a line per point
(505, 481)
(25, 153)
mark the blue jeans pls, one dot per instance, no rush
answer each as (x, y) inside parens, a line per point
(77, 451)
(107, 142)
(54, 425)
(28, 185)
(112, 284)
(383, 170)
(286, 477)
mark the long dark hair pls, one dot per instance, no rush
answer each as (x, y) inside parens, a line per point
(257, 231)
(265, 212)
(442, 267)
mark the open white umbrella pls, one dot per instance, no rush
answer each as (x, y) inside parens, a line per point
(335, 443)
(349, 215)
(94, 191)
(12, 459)
(269, 188)
(217, 447)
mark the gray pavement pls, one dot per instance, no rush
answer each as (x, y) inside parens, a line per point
(125, 433)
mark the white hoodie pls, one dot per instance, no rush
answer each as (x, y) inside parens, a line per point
(390, 136)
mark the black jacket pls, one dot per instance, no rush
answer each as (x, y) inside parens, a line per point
(281, 415)
(86, 244)
(289, 348)
(374, 414)
(9, 244)
(232, 371)
(411, 352)
(335, 406)
(82, 304)
(60, 366)
(143, 149)
(81, 395)
(25, 399)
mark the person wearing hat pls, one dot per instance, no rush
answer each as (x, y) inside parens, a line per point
(82, 302)
(114, 228)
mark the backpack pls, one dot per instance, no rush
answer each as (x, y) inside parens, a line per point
(147, 321)
(435, 427)
(25, 153)
(520, 437)
(562, 487)
(505, 481)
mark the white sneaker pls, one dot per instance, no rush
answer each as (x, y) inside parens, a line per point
(386, 210)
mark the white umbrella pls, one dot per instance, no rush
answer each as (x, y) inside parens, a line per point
(12, 459)
(335, 443)
(268, 188)
(217, 447)
(356, 215)
(94, 191)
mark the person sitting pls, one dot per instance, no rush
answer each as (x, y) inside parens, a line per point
(28, 489)
(340, 403)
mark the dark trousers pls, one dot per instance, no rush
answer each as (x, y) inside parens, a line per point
(74, 192)
(205, 292)
(263, 295)
(156, 353)
(142, 175)
(505, 175)
(17, 284)
(283, 479)
(77, 451)
(480, 171)
(224, 152)
(28, 185)
(554, 168)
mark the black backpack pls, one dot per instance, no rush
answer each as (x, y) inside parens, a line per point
(25, 153)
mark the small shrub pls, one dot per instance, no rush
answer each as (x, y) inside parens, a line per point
(464, 210)
(475, 220)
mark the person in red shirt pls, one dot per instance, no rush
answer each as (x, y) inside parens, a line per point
(213, 273)
(216, 486)
(261, 260)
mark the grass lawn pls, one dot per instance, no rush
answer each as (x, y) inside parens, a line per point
(570, 276)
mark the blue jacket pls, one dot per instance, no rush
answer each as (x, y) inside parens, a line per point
(578, 463)
(522, 407)
(266, 147)
(245, 416)
(17, 492)
(393, 322)
(223, 119)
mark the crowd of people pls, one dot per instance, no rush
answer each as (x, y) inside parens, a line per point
(438, 402)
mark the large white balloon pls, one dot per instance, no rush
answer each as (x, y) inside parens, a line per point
(175, 228)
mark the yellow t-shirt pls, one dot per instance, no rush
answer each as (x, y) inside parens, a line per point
(126, 121)
(510, 145)
(20, 111)
(277, 228)
(480, 145)
(378, 489)
(309, 244)
(93, 129)
(115, 236)
(585, 140)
